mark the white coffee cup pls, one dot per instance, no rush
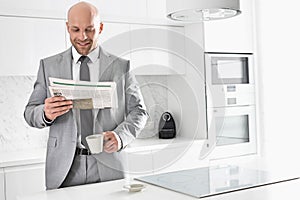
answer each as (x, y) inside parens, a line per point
(95, 143)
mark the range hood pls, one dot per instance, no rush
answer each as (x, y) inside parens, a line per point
(201, 10)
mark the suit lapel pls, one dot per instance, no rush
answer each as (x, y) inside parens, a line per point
(66, 65)
(105, 60)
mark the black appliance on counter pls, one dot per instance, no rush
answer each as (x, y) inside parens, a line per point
(166, 127)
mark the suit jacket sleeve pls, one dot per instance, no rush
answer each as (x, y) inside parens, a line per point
(34, 110)
(135, 110)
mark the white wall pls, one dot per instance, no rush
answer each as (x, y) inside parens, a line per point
(278, 40)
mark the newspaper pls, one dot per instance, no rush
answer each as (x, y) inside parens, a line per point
(85, 94)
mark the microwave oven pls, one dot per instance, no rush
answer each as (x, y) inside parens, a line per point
(229, 79)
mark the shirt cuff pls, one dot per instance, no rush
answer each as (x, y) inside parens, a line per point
(120, 144)
(46, 121)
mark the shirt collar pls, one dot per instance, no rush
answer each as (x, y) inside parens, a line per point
(93, 56)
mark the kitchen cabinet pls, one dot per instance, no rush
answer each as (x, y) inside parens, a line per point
(36, 8)
(115, 39)
(157, 50)
(23, 180)
(152, 50)
(2, 188)
(139, 163)
(24, 41)
(149, 156)
(234, 34)
(185, 156)
(134, 11)
(120, 10)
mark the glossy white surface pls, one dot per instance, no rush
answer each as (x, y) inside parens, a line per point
(24, 180)
(25, 41)
(114, 191)
(36, 8)
(233, 34)
(2, 184)
(27, 157)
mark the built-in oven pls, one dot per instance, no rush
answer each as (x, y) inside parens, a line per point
(230, 104)
(232, 130)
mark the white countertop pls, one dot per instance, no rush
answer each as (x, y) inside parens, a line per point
(113, 190)
(34, 156)
(25, 157)
(155, 143)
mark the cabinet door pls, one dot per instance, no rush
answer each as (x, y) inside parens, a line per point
(138, 163)
(23, 180)
(24, 41)
(233, 34)
(2, 189)
(157, 50)
(115, 39)
(36, 8)
(120, 10)
(185, 156)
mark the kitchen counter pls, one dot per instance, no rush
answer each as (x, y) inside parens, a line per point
(155, 143)
(25, 157)
(35, 156)
(113, 190)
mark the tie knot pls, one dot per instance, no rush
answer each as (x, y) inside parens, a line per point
(84, 59)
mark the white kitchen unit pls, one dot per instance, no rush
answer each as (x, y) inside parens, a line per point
(22, 180)
(115, 39)
(2, 184)
(138, 163)
(227, 49)
(120, 10)
(157, 50)
(234, 34)
(21, 173)
(185, 155)
(31, 39)
(231, 106)
(35, 8)
(134, 11)
(152, 50)
(153, 155)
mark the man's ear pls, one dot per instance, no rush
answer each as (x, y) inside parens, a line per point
(101, 27)
(67, 26)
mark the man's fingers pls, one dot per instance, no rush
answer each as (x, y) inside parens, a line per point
(56, 106)
(111, 144)
(61, 110)
(54, 99)
(110, 147)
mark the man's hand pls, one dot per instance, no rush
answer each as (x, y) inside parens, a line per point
(56, 106)
(110, 142)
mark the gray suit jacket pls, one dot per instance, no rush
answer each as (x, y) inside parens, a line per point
(127, 120)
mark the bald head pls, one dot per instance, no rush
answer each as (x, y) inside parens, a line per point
(84, 27)
(83, 10)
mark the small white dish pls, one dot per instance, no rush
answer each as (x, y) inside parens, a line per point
(135, 187)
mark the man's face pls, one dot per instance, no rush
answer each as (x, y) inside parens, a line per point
(84, 32)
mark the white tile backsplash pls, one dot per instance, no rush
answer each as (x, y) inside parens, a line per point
(155, 93)
(15, 134)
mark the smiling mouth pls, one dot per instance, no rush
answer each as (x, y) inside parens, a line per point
(83, 44)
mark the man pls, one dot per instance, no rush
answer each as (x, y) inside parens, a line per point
(68, 160)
